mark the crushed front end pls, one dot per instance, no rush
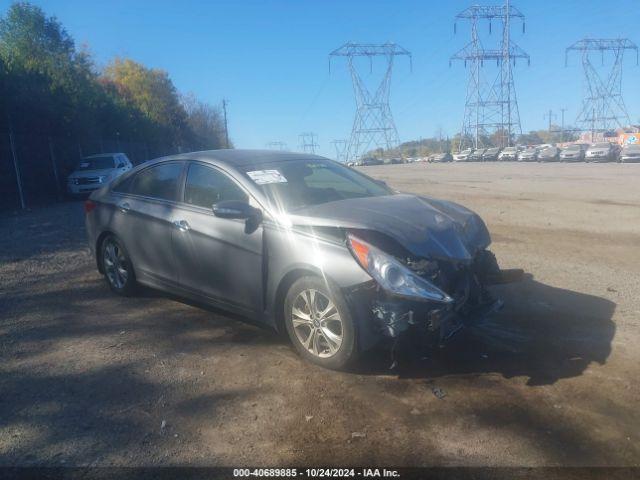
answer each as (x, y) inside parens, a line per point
(468, 300)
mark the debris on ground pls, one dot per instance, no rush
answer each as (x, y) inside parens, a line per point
(415, 411)
(308, 417)
(163, 426)
(358, 434)
(438, 392)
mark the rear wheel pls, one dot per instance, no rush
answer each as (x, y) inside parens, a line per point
(319, 323)
(117, 266)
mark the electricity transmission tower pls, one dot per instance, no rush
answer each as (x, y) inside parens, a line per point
(277, 146)
(341, 149)
(491, 107)
(602, 106)
(308, 142)
(373, 126)
(550, 116)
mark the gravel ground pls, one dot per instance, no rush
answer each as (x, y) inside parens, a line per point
(87, 378)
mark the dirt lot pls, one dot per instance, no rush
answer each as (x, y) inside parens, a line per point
(87, 378)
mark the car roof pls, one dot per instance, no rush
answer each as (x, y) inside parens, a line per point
(244, 157)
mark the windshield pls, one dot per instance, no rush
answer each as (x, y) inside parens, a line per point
(302, 183)
(600, 145)
(573, 147)
(96, 163)
(510, 149)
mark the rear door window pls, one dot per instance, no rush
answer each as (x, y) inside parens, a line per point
(159, 181)
(206, 186)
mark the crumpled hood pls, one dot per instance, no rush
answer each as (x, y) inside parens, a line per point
(424, 226)
(90, 173)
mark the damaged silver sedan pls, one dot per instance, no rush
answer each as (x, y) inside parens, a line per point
(303, 244)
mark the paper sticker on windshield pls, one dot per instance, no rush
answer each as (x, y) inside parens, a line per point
(263, 177)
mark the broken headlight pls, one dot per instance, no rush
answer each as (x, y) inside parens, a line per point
(392, 275)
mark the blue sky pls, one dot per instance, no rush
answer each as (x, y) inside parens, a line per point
(270, 58)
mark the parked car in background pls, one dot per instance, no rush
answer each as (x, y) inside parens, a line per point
(96, 171)
(491, 154)
(549, 154)
(299, 243)
(508, 154)
(573, 153)
(369, 161)
(462, 156)
(476, 156)
(601, 152)
(528, 155)
(630, 153)
(442, 157)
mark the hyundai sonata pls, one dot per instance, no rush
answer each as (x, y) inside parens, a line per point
(301, 243)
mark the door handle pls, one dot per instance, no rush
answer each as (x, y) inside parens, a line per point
(124, 207)
(182, 225)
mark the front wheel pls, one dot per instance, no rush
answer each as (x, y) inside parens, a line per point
(319, 323)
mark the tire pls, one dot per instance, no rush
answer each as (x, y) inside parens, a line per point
(117, 266)
(331, 339)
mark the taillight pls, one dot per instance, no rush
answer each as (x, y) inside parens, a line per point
(89, 206)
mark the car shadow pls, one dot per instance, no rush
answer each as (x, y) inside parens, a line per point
(543, 333)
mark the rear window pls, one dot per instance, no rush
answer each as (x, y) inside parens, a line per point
(159, 181)
(96, 163)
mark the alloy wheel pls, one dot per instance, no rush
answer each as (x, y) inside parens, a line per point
(115, 264)
(317, 323)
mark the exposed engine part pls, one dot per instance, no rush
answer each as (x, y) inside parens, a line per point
(392, 318)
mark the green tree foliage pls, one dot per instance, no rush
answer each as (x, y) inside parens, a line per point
(50, 87)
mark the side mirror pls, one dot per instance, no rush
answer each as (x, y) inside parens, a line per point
(234, 209)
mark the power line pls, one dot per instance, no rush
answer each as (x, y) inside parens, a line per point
(490, 107)
(373, 125)
(341, 149)
(602, 105)
(308, 142)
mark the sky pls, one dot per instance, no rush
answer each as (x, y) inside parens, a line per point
(269, 58)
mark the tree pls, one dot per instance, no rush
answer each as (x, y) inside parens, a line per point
(205, 122)
(152, 92)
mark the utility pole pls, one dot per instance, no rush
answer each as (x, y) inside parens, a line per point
(52, 155)
(491, 106)
(562, 110)
(15, 165)
(373, 126)
(551, 116)
(226, 126)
